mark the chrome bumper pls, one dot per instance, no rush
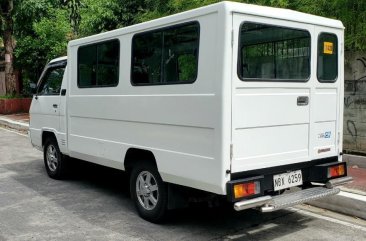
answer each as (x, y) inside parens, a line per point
(272, 203)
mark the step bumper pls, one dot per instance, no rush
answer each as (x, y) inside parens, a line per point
(273, 203)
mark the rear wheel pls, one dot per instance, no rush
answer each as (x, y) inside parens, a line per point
(54, 160)
(149, 192)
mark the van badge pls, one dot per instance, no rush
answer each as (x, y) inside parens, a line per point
(325, 135)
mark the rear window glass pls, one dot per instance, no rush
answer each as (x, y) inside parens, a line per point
(327, 70)
(272, 53)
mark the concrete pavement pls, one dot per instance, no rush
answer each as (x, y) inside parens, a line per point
(94, 204)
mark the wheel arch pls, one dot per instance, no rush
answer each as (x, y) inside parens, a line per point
(48, 134)
(138, 155)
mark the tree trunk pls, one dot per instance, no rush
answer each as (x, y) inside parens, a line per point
(10, 79)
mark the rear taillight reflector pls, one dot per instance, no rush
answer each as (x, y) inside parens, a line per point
(336, 171)
(246, 189)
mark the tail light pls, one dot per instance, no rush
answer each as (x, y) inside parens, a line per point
(246, 189)
(336, 171)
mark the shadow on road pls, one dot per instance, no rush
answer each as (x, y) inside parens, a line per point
(100, 196)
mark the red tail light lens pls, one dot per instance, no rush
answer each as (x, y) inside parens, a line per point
(246, 189)
(336, 171)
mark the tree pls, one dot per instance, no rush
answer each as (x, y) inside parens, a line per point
(42, 30)
(6, 21)
(74, 15)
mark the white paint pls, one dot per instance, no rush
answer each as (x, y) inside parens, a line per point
(268, 127)
(190, 127)
(353, 196)
(333, 220)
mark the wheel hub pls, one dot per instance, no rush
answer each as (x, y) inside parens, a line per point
(147, 190)
(51, 156)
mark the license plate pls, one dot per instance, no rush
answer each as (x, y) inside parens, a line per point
(286, 180)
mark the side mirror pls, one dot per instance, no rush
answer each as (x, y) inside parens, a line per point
(33, 87)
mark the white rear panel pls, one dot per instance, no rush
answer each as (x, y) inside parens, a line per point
(269, 128)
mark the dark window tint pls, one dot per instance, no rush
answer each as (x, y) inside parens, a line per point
(272, 53)
(51, 82)
(167, 56)
(327, 58)
(98, 64)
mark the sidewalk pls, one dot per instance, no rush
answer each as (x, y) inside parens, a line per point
(19, 122)
(351, 200)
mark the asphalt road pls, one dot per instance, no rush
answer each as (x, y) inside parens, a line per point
(94, 204)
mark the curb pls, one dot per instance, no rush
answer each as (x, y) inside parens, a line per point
(19, 126)
(348, 203)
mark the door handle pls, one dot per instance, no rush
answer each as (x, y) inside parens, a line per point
(302, 100)
(55, 105)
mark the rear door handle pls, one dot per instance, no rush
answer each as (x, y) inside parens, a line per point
(302, 100)
(55, 105)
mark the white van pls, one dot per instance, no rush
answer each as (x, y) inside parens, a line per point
(236, 100)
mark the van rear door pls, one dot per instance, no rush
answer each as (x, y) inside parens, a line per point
(274, 94)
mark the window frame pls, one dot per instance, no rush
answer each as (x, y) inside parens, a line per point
(51, 67)
(99, 43)
(162, 30)
(267, 79)
(317, 55)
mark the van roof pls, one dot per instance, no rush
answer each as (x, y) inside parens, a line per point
(282, 13)
(58, 59)
(225, 6)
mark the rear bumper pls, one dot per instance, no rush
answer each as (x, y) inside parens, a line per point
(272, 203)
(312, 172)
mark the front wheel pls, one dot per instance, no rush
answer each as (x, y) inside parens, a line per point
(54, 160)
(149, 192)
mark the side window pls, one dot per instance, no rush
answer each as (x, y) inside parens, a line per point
(98, 65)
(327, 70)
(273, 53)
(51, 82)
(166, 56)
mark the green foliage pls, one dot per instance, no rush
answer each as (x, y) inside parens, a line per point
(98, 16)
(49, 40)
(27, 12)
(351, 12)
(187, 67)
(73, 7)
(10, 96)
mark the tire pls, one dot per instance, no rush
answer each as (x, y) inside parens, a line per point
(54, 160)
(148, 192)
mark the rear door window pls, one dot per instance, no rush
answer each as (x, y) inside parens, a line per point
(273, 53)
(327, 70)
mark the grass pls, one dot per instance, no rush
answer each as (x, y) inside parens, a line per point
(10, 96)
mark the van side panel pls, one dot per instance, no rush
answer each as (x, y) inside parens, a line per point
(179, 124)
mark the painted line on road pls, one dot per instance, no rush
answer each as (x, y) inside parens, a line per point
(13, 132)
(353, 196)
(333, 220)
